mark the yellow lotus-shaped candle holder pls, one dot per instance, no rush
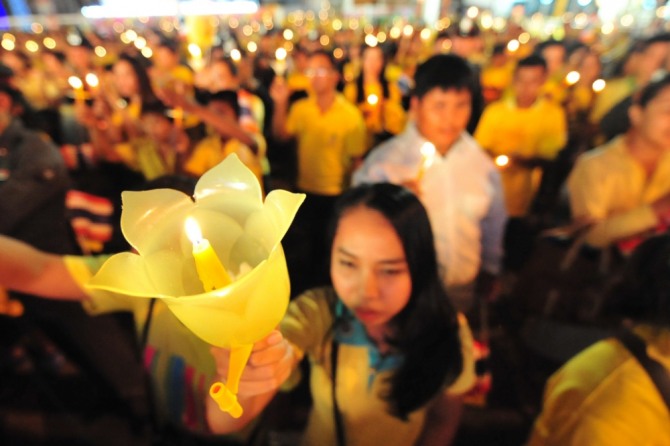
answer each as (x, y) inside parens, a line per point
(245, 234)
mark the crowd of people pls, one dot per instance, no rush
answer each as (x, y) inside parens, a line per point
(431, 172)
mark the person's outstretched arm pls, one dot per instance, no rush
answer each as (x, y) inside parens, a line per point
(29, 270)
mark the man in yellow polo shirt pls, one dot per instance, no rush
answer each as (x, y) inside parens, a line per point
(330, 136)
(524, 132)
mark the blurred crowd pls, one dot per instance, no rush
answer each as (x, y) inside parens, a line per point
(524, 135)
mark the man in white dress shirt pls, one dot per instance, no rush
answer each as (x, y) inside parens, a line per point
(455, 179)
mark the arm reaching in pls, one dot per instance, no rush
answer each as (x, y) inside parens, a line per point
(29, 270)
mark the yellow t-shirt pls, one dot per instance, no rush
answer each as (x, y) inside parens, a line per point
(211, 151)
(306, 325)
(608, 185)
(616, 90)
(327, 143)
(537, 131)
(380, 114)
(603, 396)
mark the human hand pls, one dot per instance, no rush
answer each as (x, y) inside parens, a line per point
(270, 364)
(279, 91)
(413, 185)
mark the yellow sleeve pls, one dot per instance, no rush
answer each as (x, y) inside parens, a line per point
(555, 132)
(350, 92)
(203, 157)
(294, 118)
(590, 198)
(354, 141)
(82, 269)
(486, 128)
(467, 378)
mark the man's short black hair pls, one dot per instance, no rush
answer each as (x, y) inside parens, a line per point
(656, 38)
(651, 90)
(227, 96)
(327, 54)
(443, 71)
(534, 60)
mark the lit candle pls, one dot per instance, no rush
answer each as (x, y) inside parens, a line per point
(572, 78)
(427, 158)
(598, 85)
(211, 272)
(280, 63)
(373, 99)
(501, 160)
(78, 86)
(92, 81)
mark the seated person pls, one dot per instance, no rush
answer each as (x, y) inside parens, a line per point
(623, 187)
(603, 396)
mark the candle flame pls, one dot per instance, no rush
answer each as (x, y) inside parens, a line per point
(193, 231)
(373, 99)
(92, 80)
(280, 54)
(599, 85)
(501, 160)
(572, 77)
(75, 82)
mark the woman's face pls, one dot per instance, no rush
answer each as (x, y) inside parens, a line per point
(125, 79)
(373, 61)
(369, 269)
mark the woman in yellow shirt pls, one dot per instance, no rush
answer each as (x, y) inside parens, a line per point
(378, 99)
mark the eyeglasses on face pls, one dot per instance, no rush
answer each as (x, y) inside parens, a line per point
(318, 72)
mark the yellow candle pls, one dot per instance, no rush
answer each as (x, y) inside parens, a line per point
(78, 86)
(211, 272)
(93, 82)
(427, 158)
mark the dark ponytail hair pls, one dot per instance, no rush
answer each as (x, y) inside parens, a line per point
(426, 331)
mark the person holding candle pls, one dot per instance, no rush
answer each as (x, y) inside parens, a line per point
(180, 365)
(330, 136)
(530, 130)
(459, 184)
(378, 99)
(389, 355)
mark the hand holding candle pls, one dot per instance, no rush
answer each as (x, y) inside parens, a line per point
(428, 152)
(78, 87)
(280, 61)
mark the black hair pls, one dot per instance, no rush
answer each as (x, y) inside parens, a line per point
(59, 55)
(642, 290)
(426, 331)
(360, 87)
(156, 108)
(651, 90)
(167, 43)
(443, 71)
(327, 54)
(146, 91)
(657, 38)
(547, 43)
(534, 60)
(229, 97)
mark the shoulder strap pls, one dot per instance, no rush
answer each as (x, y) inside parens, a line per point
(339, 423)
(658, 374)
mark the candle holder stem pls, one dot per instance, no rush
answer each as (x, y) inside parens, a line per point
(225, 395)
